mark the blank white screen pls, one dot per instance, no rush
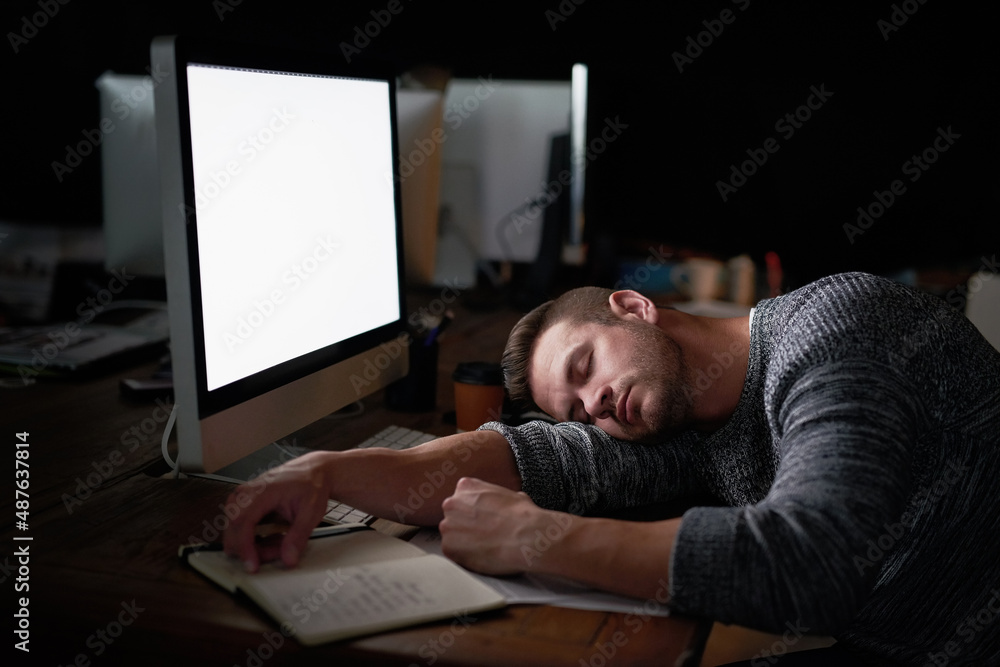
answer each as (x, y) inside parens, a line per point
(295, 212)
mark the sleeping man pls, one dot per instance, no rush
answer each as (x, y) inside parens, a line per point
(849, 432)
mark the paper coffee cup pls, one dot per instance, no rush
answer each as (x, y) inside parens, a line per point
(478, 394)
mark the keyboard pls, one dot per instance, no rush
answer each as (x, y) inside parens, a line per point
(393, 437)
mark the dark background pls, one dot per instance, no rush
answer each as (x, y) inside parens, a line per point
(658, 181)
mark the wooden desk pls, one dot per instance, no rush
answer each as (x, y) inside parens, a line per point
(105, 585)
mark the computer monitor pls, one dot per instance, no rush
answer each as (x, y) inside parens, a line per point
(282, 241)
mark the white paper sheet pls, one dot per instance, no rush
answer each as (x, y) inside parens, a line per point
(555, 591)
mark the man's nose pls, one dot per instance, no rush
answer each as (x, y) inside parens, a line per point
(598, 402)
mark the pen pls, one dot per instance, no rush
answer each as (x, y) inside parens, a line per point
(442, 325)
(431, 336)
(323, 531)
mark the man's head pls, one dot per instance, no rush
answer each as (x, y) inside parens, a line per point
(584, 304)
(598, 356)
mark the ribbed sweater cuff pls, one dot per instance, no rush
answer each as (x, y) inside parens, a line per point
(702, 562)
(537, 462)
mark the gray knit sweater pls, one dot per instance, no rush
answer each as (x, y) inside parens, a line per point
(859, 478)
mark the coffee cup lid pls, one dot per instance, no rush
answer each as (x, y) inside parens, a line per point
(478, 372)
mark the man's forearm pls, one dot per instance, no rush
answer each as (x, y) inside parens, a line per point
(408, 486)
(626, 557)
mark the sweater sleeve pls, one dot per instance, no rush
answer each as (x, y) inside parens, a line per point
(846, 433)
(580, 469)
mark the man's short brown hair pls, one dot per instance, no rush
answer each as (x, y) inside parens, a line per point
(580, 305)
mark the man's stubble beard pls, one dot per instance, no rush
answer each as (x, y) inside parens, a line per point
(659, 365)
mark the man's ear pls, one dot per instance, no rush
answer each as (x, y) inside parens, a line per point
(630, 304)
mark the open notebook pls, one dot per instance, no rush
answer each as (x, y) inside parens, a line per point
(352, 584)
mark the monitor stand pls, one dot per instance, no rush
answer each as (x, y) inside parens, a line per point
(259, 462)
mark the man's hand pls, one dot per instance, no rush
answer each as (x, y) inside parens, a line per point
(296, 492)
(493, 530)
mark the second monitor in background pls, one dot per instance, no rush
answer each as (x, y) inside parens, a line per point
(513, 147)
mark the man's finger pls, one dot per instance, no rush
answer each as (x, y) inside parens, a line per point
(296, 538)
(269, 549)
(238, 540)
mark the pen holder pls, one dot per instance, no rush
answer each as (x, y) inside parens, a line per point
(417, 392)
